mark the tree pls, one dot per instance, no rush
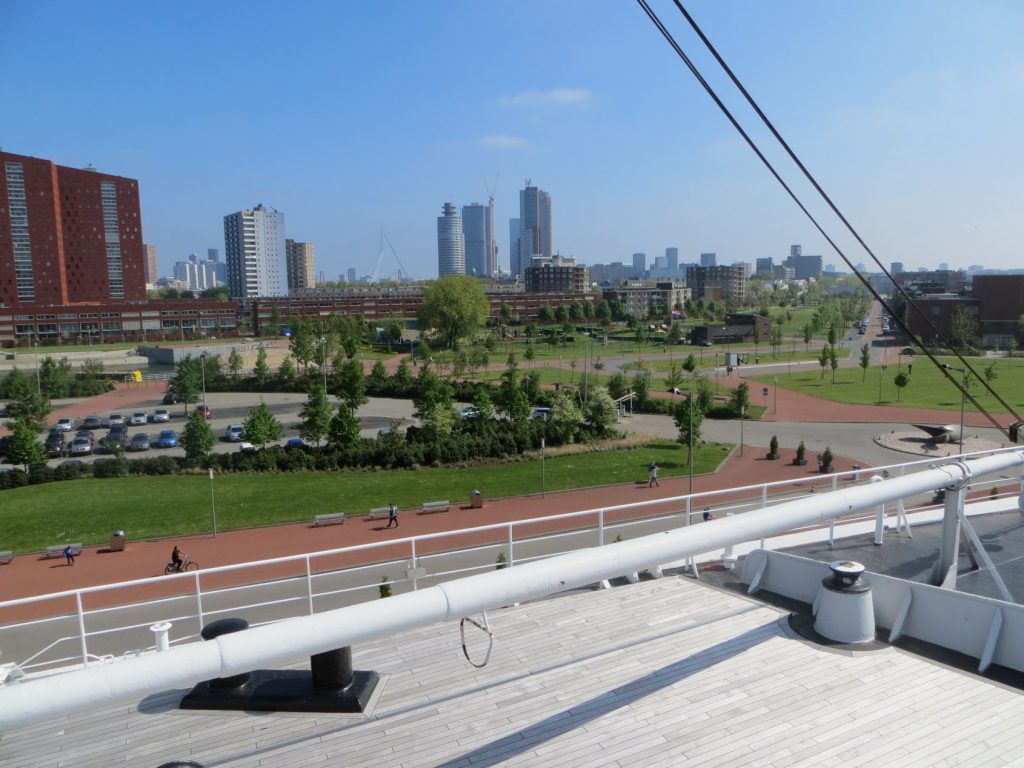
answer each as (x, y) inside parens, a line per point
(315, 415)
(741, 398)
(705, 395)
(865, 361)
(378, 377)
(24, 447)
(350, 382)
(674, 379)
(599, 412)
(690, 364)
(833, 361)
(483, 404)
(688, 415)
(431, 392)
(566, 416)
(234, 362)
(1011, 348)
(303, 342)
(823, 360)
(197, 437)
(642, 388)
(529, 354)
(900, 381)
(287, 370)
(453, 306)
(343, 430)
(777, 336)
(261, 369)
(964, 330)
(261, 426)
(544, 313)
(31, 408)
(55, 377)
(617, 385)
(990, 372)
(188, 380)
(808, 334)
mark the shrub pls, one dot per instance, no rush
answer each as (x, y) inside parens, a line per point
(110, 468)
(773, 445)
(385, 587)
(801, 450)
(826, 457)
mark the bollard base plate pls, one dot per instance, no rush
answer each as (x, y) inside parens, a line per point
(284, 690)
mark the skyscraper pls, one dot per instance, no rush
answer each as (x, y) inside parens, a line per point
(299, 265)
(513, 245)
(896, 268)
(639, 264)
(672, 258)
(451, 247)
(534, 227)
(255, 254)
(350, 273)
(213, 254)
(475, 236)
(152, 272)
(708, 259)
(67, 234)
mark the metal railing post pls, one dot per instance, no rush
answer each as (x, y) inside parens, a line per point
(309, 584)
(689, 508)
(511, 554)
(764, 496)
(415, 579)
(81, 629)
(199, 602)
(600, 527)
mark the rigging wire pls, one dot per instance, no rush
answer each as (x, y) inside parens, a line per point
(835, 209)
(775, 174)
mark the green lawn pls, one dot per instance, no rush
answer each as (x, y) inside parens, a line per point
(928, 387)
(86, 511)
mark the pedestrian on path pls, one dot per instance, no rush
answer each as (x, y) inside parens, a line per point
(392, 515)
(652, 470)
(69, 554)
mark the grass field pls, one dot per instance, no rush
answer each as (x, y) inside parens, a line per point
(928, 387)
(86, 511)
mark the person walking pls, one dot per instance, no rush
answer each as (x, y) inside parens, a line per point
(69, 554)
(392, 515)
(652, 470)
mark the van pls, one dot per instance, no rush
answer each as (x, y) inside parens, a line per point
(541, 414)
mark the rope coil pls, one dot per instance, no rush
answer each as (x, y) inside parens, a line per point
(486, 628)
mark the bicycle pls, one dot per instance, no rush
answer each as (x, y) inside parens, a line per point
(186, 565)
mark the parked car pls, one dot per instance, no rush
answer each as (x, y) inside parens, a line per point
(294, 443)
(140, 442)
(469, 413)
(168, 439)
(246, 448)
(56, 444)
(170, 398)
(115, 419)
(91, 422)
(206, 412)
(65, 425)
(541, 414)
(139, 418)
(234, 433)
(81, 447)
(161, 415)
(86, 435)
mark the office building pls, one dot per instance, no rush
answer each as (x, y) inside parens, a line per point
(896, 268)
(196, 275)
(213, 254)
(350, 273)
(557, 274)
(672, 258)
(639, 264)
(68, 235)
(708, 259)
(718, 283)
(451, 247)
(299, 265)
(764, 266)
(532, 236)
(795, 250)
(655, 302)
(805, 267)
(254, 251)
(476, 236)
(152, 271)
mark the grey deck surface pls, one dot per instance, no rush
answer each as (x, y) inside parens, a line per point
(660, 673)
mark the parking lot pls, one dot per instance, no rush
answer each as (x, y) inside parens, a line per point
(226, 408)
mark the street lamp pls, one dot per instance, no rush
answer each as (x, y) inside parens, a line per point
(881, 370)
(542, 467)
(202, 363)
(689, 407)
(743, 416)
(323, 360)
(963, 394)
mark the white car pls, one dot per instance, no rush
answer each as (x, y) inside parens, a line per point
(139, 418)
(115, 418)
(234, 433)
(160, 415)
(64, 425)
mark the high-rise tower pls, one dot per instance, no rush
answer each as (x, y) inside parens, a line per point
(255, 253)
(534, 228)
(299, 264)
(477, 239)
(451, 246)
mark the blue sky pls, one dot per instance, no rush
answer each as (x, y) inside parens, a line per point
(350, 117)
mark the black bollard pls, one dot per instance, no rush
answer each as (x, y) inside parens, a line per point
(332, 670)
(216, 629)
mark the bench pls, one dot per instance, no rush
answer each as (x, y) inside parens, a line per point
(57, 550)
(378, 512)
(434, 506)
(6, 557)
(333, 518)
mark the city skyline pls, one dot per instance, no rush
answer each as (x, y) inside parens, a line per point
(916, 141)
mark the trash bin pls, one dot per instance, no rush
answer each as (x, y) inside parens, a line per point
(117, 541)
(476, 500)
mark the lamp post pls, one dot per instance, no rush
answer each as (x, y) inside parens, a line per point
(202, 364)
(323, 360)
(542, 467)
(881, 370)
(743, 416)
(689, 407)
(213, 504)
(963, 394)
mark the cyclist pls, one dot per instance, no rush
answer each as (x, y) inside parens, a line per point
(176, 559)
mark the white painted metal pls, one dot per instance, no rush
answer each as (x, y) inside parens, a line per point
(844, 617)
(285, 642)
(879, 516)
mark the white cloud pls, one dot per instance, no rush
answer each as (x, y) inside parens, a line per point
(504, 141)
(553, 96)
